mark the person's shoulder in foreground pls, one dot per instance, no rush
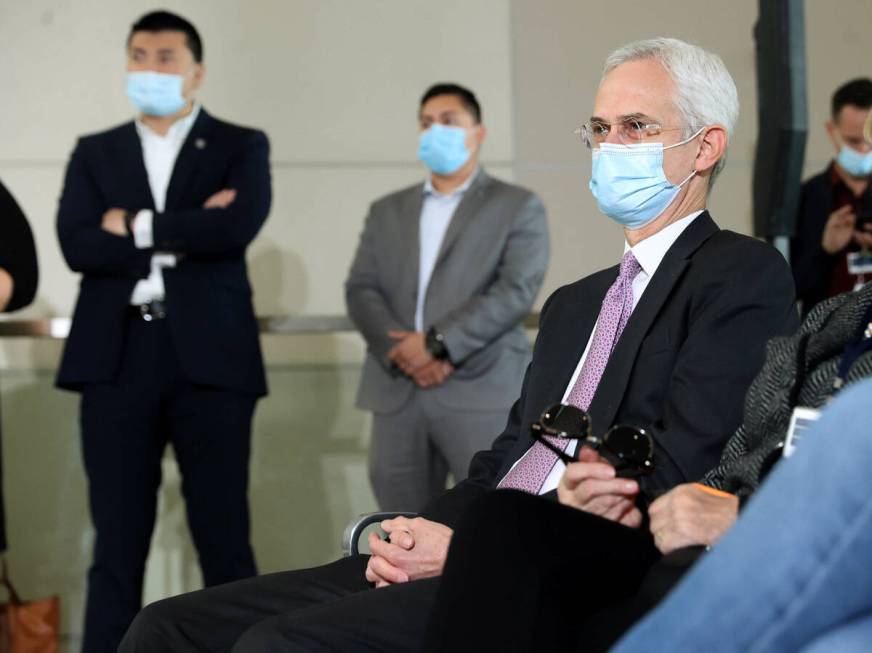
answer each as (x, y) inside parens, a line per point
(794, 573)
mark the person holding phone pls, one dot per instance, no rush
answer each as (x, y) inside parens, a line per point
(835, 210)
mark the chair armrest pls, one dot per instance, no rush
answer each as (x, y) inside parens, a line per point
(355, 528)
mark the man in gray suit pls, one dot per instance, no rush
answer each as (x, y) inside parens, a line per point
(443, 276)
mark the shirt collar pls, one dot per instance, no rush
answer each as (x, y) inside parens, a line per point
(650, 252)
(178, 130)
(460, 190)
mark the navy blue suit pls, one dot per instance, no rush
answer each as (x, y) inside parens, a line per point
(190, 380)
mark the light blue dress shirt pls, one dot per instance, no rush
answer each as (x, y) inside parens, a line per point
(436, 212)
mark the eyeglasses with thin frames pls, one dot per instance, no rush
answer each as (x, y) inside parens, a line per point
(630, 131)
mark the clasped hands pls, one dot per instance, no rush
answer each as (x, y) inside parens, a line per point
(113, 219)
(689, 514)
(411, 356)
(416, 548)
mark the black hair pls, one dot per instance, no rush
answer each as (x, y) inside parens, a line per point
(857, 92)
(164, 21)
(466, 97)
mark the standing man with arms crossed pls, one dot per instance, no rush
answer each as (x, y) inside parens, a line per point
(156, 214)
(444, 274)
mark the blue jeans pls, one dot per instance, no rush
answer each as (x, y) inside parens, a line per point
(796, 569)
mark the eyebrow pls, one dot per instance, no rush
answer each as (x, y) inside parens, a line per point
(628, 116)
(444, 114)
(162, 51)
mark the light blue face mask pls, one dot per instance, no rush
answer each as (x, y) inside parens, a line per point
(854, 163)
(629, 183)
(156, 94)
(443, 149)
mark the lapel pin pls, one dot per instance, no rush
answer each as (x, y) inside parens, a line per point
(200, 143)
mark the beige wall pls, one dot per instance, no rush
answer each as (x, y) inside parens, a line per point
(558, 51)
(838, 40)
(335, 84)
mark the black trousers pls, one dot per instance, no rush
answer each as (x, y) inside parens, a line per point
(126, 426)
(329, 608)
(528, 574)
(497, 594)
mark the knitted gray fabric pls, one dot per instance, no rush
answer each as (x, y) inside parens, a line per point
(768, 404)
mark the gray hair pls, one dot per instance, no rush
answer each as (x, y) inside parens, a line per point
(705, 93)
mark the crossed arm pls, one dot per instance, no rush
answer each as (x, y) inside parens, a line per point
(93, 233)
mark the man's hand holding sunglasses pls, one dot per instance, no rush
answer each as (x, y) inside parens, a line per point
(592, 486)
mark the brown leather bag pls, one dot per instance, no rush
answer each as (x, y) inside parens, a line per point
(28, 626)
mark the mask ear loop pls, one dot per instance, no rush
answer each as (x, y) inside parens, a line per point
(685, 142)
(687, 179)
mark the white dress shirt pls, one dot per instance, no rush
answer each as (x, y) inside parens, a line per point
(649, 253)
(436, 212)
(159, 153)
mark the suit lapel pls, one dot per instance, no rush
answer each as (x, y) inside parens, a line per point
(128, 157)
(409, 217)
(196, 146)
(469, 206)
(610, 391)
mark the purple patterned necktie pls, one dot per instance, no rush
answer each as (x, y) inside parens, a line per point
(533, 468)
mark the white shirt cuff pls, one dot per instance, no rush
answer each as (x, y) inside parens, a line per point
(143, 237)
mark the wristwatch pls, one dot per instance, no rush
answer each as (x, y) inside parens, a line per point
(129, 217)
(435, 344)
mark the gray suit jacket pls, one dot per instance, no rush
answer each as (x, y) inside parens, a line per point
(488, 271)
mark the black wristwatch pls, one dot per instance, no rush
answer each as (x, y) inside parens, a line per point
(129, 217)
(435, 344)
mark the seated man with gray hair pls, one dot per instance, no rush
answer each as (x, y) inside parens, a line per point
(667, 341)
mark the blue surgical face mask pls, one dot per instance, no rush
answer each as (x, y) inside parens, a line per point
(156, 94)
(443, 149)
(629, 183)
(854, 163)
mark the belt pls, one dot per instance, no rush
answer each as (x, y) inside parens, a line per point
(150, 311)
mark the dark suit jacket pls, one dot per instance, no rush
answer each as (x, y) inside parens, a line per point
(208, 295)
(18, 258)
(812, 266)
(680, 369)
(17, 252)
